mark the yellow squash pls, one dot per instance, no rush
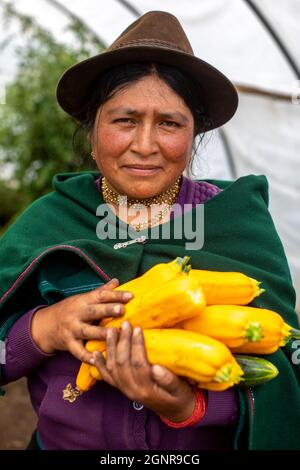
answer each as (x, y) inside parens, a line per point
(191, 355)
(157, 275)
(163, 306)
(243, 329)
(227, 287)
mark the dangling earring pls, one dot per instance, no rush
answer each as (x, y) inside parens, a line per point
(93, 155)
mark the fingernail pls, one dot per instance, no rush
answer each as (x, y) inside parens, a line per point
(127, 296)
(125, 325)
(157, 370)
(117, 309)
(137, 330)
(92, 361)
(109, 333)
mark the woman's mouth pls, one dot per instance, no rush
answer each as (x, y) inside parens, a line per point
(140, 170)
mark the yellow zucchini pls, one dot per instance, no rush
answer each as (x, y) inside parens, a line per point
(191, 355)
(242, 328)
(227, 287)
(162, 306)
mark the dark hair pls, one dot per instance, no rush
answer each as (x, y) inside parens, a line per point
(117, 77)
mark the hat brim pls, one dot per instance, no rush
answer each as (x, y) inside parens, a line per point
(74, 88)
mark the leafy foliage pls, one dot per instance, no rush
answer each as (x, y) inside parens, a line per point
(35, 134)
(11, 202)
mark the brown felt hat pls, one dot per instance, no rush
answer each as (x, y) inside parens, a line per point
(156, 36)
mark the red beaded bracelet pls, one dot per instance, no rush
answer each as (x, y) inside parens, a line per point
(198, 413)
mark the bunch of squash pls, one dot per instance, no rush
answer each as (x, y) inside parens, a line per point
(197, 324)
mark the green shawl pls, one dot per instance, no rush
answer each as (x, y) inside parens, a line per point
(239, 236)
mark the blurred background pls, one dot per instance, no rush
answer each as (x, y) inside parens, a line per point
(254, 42)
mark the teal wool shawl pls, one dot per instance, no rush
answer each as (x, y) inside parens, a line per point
(239, 235)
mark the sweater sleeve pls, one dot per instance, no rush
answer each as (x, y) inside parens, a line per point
(222, 409)
(22, 355)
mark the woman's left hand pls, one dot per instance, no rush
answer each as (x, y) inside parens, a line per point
(127, 368)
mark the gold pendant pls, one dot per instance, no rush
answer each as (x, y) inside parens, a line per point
(70, 394)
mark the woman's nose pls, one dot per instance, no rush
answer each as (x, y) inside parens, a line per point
(144, 142)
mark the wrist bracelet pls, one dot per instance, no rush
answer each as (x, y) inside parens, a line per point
(198, 413)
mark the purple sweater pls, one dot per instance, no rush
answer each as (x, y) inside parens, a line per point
(103, 418)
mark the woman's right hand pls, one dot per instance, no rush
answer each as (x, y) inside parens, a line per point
(66, 325)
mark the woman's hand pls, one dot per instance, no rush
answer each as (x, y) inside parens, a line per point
(65, 325)
(127, 368)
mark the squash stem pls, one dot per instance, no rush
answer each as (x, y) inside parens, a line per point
(184, 263)
(288, 333)
(295, 333)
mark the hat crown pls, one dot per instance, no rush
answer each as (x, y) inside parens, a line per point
(155, 28)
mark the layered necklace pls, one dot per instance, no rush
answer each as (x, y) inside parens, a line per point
(167, 198)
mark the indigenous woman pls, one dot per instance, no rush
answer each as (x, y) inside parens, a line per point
(142, 102)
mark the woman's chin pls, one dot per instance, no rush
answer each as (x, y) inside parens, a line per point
(141, 194)
(142, 189)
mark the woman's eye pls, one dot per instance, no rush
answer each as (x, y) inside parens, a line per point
(170, 124)
(125, 120)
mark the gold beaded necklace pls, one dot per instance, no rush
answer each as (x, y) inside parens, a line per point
(167, 198)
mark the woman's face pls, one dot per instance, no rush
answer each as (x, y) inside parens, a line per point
(143, 138)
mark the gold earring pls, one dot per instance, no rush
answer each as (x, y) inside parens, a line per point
(93, 155)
